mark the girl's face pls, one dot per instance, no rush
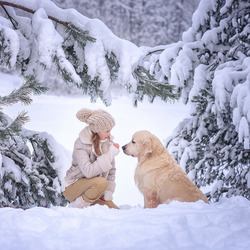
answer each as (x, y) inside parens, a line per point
(104, 135)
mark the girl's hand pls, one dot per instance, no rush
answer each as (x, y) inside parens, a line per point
(113, 151)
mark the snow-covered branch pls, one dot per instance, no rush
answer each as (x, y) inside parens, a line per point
(79, 48)
(18, 6)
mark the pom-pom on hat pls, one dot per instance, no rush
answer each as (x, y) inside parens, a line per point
(99, 121)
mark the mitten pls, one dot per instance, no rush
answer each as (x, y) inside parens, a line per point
(113, 151)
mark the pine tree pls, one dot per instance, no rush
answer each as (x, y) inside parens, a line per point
(211, 69)
(28, 176)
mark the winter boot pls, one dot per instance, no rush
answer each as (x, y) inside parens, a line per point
(79, 203)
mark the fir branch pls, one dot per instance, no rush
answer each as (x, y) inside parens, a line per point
(148, 85)
(35, 86)
(23, 94)
(113, 65)
(78, 35)
(74, 35)
(67, 76)
(19, 121)
(3, 120)
(14, 127)
(5, 54)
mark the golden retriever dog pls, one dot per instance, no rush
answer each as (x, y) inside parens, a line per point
(158, 176)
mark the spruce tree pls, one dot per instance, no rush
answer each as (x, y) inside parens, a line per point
(211, 70)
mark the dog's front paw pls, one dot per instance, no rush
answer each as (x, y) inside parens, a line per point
(150, 201)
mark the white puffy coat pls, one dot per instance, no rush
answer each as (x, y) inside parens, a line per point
(86, 163)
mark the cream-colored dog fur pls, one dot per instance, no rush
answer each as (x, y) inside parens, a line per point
(158, 175)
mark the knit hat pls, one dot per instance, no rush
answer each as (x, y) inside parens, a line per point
(99, 121)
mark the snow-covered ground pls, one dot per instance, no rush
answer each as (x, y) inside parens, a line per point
(222, 225)
(189, 226)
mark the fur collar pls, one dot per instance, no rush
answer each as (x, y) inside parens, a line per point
(86, 136)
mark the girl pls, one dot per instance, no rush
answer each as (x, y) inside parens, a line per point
(91, 178)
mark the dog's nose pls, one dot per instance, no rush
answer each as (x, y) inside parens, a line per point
(123, 147)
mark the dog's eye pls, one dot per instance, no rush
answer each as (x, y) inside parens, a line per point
(133, 141)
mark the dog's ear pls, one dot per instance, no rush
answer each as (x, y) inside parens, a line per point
(156, 145)
(147, 146)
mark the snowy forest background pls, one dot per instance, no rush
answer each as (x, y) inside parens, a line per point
(207, 67)
(136, 21)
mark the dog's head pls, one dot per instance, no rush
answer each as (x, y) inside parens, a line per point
(142, 144)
